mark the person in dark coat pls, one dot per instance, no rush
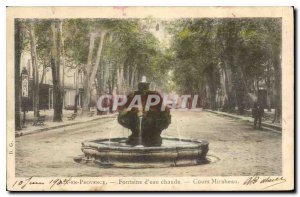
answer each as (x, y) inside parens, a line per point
(257, 114)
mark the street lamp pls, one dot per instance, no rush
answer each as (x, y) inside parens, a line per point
(25, 82)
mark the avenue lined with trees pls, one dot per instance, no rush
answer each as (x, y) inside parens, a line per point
(242, 55)
(225, 61)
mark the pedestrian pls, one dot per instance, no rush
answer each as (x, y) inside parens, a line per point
(257, 114)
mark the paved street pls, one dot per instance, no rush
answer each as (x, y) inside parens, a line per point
(235, 148)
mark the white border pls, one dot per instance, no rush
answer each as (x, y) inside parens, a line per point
(5, 3)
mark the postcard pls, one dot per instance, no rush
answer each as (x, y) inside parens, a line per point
(150, 98)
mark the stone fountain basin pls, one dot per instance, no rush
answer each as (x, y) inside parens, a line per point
(115, 152)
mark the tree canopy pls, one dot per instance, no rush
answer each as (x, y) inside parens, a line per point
(224, 60)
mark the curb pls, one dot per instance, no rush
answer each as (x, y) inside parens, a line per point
(20, 133)
(267, 126)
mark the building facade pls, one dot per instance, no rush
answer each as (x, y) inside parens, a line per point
(71, 82)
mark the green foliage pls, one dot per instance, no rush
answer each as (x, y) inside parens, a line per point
(203, 43)
(200, 50)
(76, 39)
(135, 48)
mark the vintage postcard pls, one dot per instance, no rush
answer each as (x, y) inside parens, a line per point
(150, 98)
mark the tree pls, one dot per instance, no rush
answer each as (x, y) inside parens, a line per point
(195, 48)
(18, 50)
(87, 71)
(230, 33)
(43, 34)
(35, 69)
(98, 56)
(90, 70)
(55, 66)
(219, 59)
(273, 29)
(232, 55)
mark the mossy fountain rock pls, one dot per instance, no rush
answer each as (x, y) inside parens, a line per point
(153, 121)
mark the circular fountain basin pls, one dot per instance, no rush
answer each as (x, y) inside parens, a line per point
(116, 153)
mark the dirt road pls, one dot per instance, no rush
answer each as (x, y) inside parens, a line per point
(235, 148)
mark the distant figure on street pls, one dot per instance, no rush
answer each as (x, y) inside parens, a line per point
(257, 114)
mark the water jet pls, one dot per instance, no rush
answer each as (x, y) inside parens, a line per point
(144, 148)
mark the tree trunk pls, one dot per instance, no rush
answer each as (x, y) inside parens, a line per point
(132, 78)
(239, 91)
(76, 90)
(127, 79)
(86, 82)
(122, 83)
(113, 80)
(119, 80)
(106, 78)
(211, 82)
(110, 78)
(268, 85)
(98, 57)
(237, 74)
(62, 61)
(18, 50)
(55, 66)
(35, 70)
(278, 89)
(121, 88)
(229, 101)
(98, 82)
(62, 57)
(43, 75)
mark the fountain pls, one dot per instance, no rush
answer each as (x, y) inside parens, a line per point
(144, 147)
